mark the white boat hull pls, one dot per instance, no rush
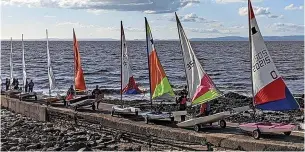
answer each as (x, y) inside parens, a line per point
(268, 127)
(124, 110)
(204, 120)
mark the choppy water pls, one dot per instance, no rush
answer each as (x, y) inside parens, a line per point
(226, 62)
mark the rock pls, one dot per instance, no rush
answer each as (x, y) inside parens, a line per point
(74, 146)
(17, 123)
(21, 148)
(112, 147)
(34, 146)
(13, 148)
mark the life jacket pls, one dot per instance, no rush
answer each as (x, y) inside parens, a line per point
(183, 101)
(203, 108)
(69, 97)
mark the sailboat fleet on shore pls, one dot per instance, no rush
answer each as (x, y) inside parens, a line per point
(269, 90)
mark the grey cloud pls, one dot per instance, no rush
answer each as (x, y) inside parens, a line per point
(146, 6)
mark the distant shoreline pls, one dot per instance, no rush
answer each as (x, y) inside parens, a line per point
(226, 38)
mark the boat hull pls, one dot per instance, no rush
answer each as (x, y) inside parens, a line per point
(268, 127)
(204, 120)
(124, 110)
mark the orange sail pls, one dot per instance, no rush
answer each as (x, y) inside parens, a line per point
(79, 79)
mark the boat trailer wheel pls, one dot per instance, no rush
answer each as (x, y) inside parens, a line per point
(222, 123)
(256, 134)
(197, 128)
(287, 133)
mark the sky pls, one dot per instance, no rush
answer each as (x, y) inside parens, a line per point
(101, 18)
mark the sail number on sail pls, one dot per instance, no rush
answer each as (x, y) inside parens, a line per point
(260, 60)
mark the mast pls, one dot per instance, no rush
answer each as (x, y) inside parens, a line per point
(179, 33)
(11, 62)
(148, 63)
(48, 53)
(121, 62)
(250, 47)
(23, 65)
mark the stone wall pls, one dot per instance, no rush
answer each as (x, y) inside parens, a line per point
(35, 111)
(230, 140)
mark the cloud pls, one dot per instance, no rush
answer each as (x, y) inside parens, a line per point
(212, 31)
(75, 25)
(235, 1)
(96, 12)
(287, 27)
(258, 11)
(292, 7)
(146, 6)
(192, 17)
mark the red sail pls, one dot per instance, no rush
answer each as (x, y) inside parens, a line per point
(79, 79)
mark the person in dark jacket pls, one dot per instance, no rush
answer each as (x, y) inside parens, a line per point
(16, 85)
(98, 95)
(182, 102)
(7, 84)
(31, 86)
(26, 86)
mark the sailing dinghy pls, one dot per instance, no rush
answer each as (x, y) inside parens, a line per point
(52, 84)
(81, 97)
(268, 87)
(25, 95)
(159, 84)
(201, 88)
(128, 83)
(12, 90)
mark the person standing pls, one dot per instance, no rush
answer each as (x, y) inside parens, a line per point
(31, 86)
(70, 94)
(16, 85)
(7, 84)
(98, 95)
(26, 86)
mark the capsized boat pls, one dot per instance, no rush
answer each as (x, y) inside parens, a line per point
(128, 83)
(201, 88)
(268, 87)
(159, 84)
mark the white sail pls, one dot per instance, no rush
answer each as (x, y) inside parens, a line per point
(23, 66)
(201, 87)
(11, 64)
(52, 84)
(126, 69)
(269, 89)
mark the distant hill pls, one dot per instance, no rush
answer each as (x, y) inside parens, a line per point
(239, 38)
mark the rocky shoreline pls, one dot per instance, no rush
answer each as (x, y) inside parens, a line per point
(19, 133)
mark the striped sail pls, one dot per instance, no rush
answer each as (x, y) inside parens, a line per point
(129, 85)
(23, 66)
(52, 84)
(200, 85)
(11, 65)
(79, 79)
(159, 84)
(269, 89)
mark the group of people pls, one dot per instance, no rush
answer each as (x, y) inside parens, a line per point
(96, 93)
(204, 108)
(15, 85)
